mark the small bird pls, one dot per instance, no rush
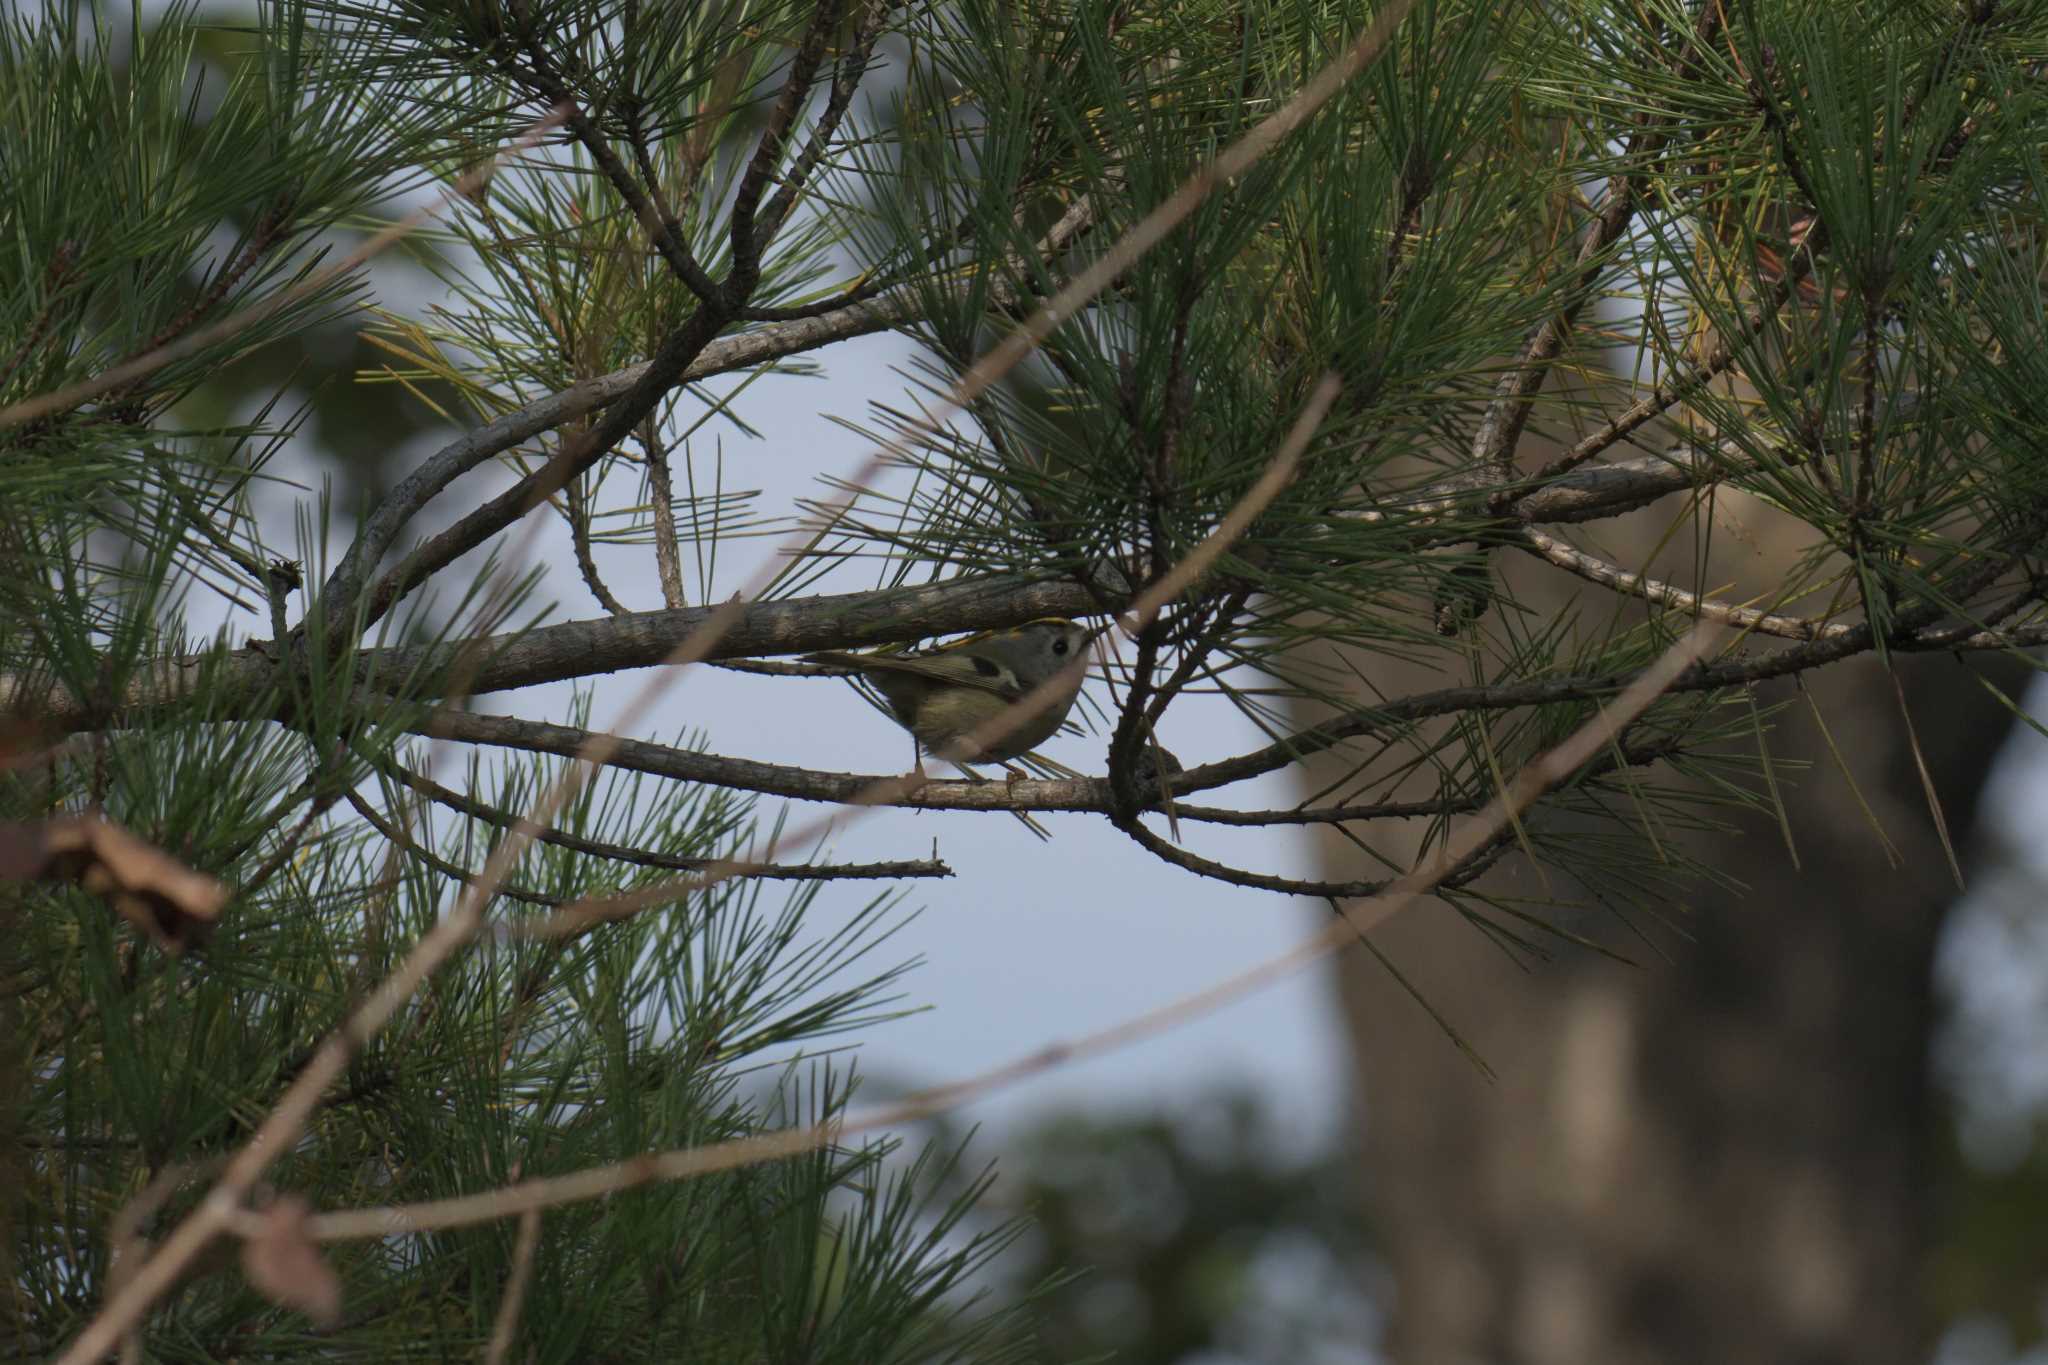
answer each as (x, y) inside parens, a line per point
(943, 695)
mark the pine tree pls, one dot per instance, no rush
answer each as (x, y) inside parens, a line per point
(1261, 310)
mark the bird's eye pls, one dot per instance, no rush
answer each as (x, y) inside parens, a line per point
(1059, 646)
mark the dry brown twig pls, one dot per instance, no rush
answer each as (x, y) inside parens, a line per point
(515, 1289)
(221, 1208)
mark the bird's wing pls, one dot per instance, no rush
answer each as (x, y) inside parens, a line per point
(961, 667)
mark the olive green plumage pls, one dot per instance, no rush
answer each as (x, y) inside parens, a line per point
(942, 696)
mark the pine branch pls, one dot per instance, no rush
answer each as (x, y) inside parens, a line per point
(750, 238)
(1500, 429)
(1387, 242)
(1628, 583)
(580, 649)
(637, 857)
(661, 497)
(426, 857)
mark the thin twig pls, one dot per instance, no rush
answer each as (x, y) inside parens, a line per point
(1628, 754)
(1629, 583)
(578, 514)
(1663, 397)
(507, 1321)
(749, 238)
(661, 495)
(781, 668)
(853, 65)
(575, 843)
(400, 839)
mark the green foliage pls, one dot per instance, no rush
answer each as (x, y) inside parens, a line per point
(697, 1024)
(1565, 261)
(214, 187)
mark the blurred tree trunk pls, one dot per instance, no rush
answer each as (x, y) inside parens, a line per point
(1723, 1152)
(1719, 1155)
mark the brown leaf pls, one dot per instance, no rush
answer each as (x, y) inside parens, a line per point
(167, 900)
(283, 1264)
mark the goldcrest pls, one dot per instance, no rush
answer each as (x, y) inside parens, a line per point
(943, 695)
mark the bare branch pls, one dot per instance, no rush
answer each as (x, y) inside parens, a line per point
(576, 843)
(236, 683)
(749, 238)
(507, 1321)
(661, 497)
(578, 512)
(1628, 583)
